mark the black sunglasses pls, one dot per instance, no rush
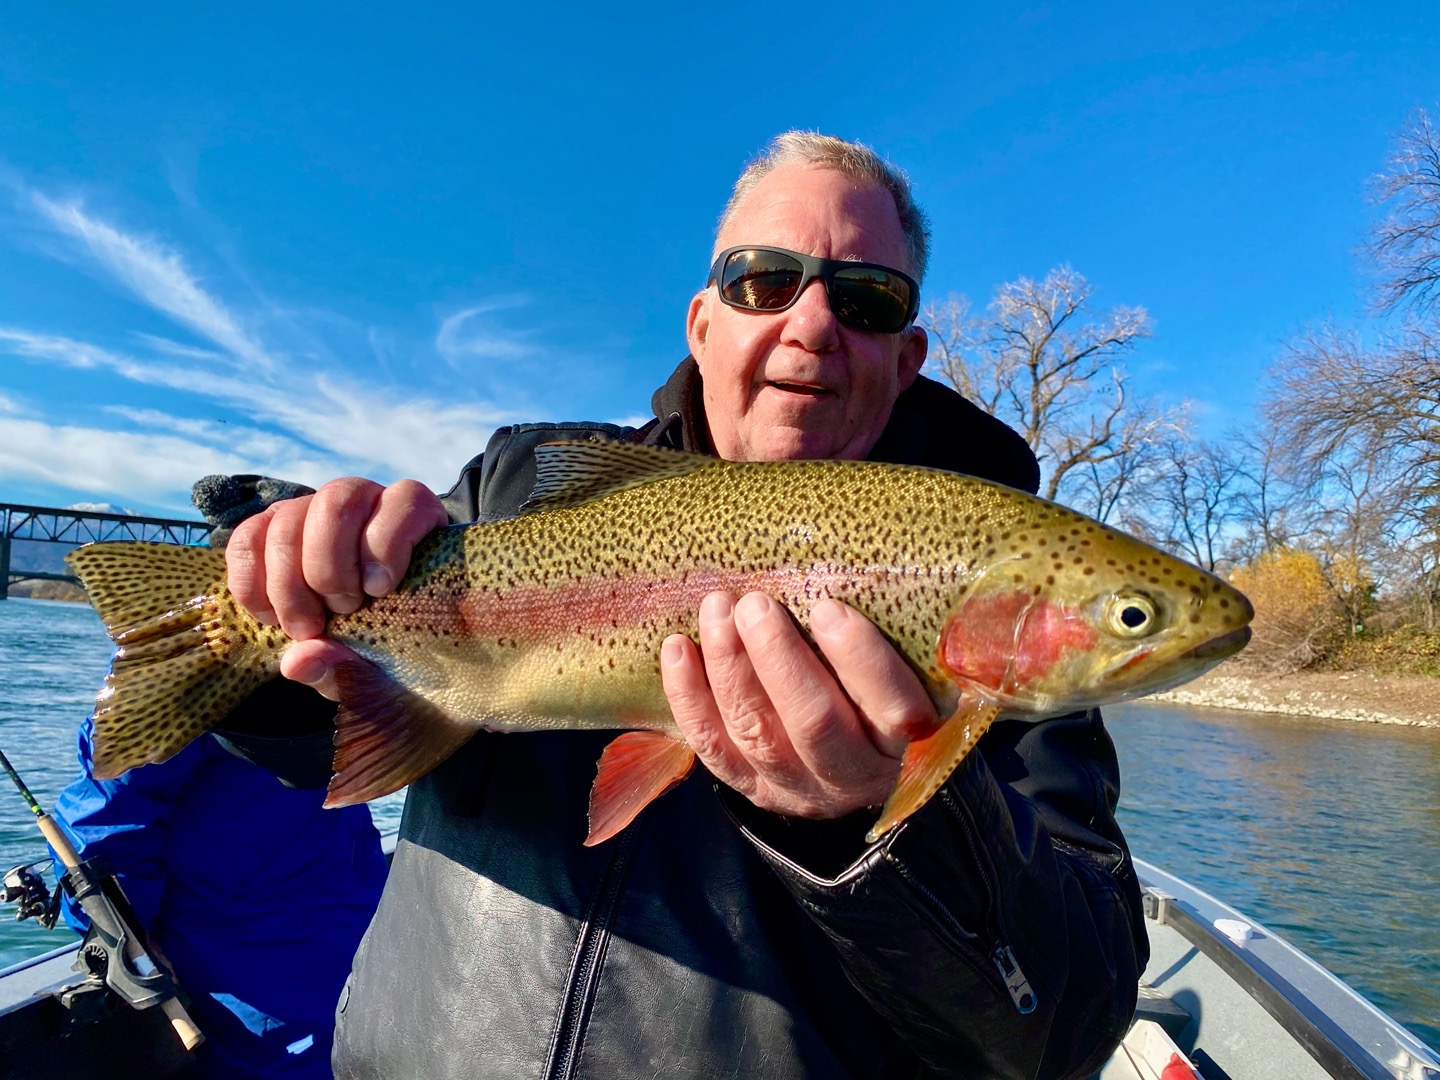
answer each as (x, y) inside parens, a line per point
(867, 296)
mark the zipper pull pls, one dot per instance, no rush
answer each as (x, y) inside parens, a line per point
(1015, 981)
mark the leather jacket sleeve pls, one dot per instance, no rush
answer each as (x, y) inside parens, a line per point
(999, 929)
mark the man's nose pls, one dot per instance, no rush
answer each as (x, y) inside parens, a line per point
(811, 323)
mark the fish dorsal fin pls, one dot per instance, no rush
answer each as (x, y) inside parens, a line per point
(574, 472)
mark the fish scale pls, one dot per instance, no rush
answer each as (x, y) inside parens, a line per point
(1002, 602)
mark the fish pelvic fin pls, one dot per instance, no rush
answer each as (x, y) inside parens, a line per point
(634, 770)
(385, 735)
(929, 762)
(571, 473)
(187, 653)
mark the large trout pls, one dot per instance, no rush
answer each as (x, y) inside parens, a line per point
(1004, 604)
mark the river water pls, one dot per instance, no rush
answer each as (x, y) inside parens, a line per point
(1328, 832)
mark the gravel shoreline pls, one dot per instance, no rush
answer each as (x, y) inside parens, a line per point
(1407, 700)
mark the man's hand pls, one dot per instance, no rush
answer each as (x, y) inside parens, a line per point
(298, 560)
(766, 717)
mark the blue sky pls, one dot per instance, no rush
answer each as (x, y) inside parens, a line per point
(311, 240)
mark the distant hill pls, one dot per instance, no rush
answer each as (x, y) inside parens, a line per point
(43, 555)
(50, 590)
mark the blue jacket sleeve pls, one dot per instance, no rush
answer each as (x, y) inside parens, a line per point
(124, 823)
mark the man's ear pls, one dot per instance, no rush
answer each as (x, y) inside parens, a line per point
(697, 326)
(912, 356)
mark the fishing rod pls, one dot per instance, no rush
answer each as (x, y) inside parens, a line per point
(114, 946)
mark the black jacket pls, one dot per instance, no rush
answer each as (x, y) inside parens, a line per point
(996, 933)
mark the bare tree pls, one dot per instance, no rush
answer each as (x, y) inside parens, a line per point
(1273, 507)
(1040, 362)
(1363, 503)
(1405, 246)
(1364, 425)
(1111, 488)
(1332, 392)
(1190, 502)
(1355, 425)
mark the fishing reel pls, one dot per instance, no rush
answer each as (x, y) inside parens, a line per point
(113, 952)
(25, 885)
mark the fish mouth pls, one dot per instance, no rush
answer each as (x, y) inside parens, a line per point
(1218, 648)
(1130, 679)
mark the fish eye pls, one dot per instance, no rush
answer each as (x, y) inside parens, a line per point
(1131, 615)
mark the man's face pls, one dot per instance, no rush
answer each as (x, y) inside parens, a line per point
(798, 383)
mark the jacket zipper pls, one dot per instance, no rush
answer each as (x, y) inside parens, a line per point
(1002, 956)
(588, 959)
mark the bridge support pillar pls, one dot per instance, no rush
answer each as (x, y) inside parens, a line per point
(4, 566)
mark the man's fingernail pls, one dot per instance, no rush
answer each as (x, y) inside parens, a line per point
(716, 608)
(305, 629)
(344, 603)
(377, 580)
(827, 616)
(751, 608)
(671, 652)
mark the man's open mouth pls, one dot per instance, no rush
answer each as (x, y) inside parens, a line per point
(808, 389)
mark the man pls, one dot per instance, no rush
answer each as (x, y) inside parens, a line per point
(741, 926)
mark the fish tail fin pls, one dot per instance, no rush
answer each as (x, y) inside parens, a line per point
(929, 762)
(385, 735)
(186, 654)
(634, 770)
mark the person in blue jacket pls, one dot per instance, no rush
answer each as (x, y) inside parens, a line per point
(255, 895)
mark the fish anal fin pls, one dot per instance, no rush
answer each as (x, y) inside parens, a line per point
(929, 762)
(385, 735)
(634, 770)
(571, 473)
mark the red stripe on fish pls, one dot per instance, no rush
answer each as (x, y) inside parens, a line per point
(537, 613)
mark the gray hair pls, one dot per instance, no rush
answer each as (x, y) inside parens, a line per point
(856, 161)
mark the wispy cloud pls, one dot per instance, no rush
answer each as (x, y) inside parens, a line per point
(156, 469)
(461, 338)
(158, 276)
(234, 403)
(326, 425)
(174, 348)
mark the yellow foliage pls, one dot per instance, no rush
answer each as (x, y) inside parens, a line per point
(1297, 620)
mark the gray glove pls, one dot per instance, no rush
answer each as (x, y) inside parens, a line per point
(226, 501)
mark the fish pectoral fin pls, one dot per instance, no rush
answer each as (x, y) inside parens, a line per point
(929, 762)
(634, 770)
(385, 735)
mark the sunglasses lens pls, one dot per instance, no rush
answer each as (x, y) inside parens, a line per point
(865, 297)
(760, 280)
(869, 298)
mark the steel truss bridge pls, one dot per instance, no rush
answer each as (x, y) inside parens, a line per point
(74, 527)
